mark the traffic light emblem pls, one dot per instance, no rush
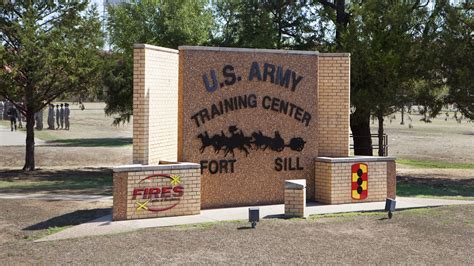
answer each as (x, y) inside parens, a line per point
(359, 181)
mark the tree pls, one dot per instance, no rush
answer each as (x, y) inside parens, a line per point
(381, 40)
(443, 55)
(271, 24)
(48, 48)
(340, 14)
(167, 23)
(457, 52)
(341, 19)
(117, 78)
(430, 98)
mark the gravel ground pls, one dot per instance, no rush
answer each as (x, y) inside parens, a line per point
(439, 235)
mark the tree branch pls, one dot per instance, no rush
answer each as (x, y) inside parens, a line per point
(418, 5)
(327, 3)
(18, 106)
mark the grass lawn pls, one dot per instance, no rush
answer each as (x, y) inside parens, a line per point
(431, 187)
(461, 191)
(83, 181)
(68, 183)
(431, 164)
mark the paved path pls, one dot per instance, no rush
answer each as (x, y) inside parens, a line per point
(105, 225)
(15, 138)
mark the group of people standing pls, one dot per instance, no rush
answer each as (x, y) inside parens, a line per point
(61, 115)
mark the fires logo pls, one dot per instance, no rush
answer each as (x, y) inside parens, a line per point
(170, 195)
(359, 181)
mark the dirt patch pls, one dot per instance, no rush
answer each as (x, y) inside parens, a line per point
(432, 236)
(66, 156)
(446, 141)
(436, 173)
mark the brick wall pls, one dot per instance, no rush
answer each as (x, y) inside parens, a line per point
(322, 182)
(163, 203)
(333, 179)
(295, 198)
(391, 180)
(155, 104)
(333, 104)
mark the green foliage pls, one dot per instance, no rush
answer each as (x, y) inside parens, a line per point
(167, 23)
(267, 24)
(48, 49)
(443, 48)
(398, 48)
(380, 38)
(55, 229)
(430, 97)
(118, 81)
(457, 53)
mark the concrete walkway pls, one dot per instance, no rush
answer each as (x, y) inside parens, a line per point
(105, 225)
(15, 138)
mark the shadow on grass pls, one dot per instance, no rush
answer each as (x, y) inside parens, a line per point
(73, 218)
(82, 181)
(435, 187)
(99, 142)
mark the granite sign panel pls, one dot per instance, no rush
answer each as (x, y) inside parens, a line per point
(249, 118)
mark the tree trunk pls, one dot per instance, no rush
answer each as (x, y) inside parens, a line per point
(403, 116)
(380, 135)
(360, 127)
(30, 142)
(342, 19)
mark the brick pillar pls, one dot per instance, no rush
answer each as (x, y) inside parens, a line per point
(295, 198)
(333, 104)
(155, 104)
(391, 180)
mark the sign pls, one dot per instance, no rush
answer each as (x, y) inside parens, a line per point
(359, 181)
(151, 197)
(250, 120)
